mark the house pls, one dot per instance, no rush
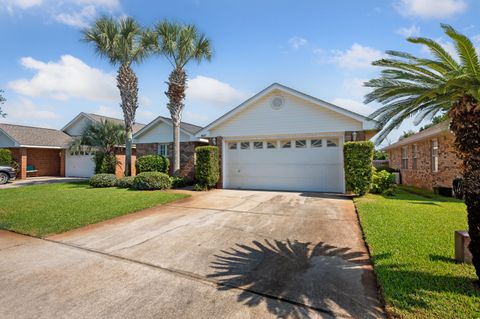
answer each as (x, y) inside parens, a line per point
(427, 159)
(283, 139)
(44, 151)
(157, 138)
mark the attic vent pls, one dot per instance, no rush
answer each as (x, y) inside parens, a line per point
(277, 102)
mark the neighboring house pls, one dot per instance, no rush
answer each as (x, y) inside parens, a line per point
(46, 151)
(427, 159)
(157, 138)
(282, 139)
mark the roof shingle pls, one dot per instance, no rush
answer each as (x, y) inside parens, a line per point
(36, 136)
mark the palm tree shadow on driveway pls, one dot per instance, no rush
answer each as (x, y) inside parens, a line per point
(297, 279)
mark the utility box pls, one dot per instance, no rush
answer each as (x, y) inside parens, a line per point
(462, 253)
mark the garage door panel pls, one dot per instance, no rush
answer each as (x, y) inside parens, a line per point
(79, 165)
(303, 169)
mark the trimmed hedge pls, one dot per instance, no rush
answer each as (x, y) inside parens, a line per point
(103, 180)
(105, 163)
(382, 182)
(152, 163)
(126, 182)
(358, 158)
(152, 180)
(5, 156)
(207, 170)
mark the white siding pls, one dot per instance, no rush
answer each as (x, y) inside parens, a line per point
(76, 129)
(6, 141)
(297, 116)
(160, 133)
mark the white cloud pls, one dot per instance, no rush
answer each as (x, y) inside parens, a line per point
(412, 31)
(20, 4)
(297, 42)
(358, 56)
(68, 78)
(79, 19)
(112, 4)
(24, 111)
(109, 111)
(196, 118)
(354, 87)
(354, 106)
(209, 91)
(431, 8)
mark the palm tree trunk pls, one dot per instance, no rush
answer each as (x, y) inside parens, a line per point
(177, 84)
(127, 83)
(465, 125)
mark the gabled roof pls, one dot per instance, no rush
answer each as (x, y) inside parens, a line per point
(189, 129)
(35, 136)
(369, 124)
(99, 118)
(427, 133)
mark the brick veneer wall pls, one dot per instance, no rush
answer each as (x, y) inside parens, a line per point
(449, 165)
(48, 162)
(187, 155)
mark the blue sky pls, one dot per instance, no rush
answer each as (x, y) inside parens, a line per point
(323, 48)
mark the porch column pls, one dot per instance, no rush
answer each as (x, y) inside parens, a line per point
(62, 163)
(23, 163)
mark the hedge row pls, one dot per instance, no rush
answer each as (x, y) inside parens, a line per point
(358, 159)
(143, 181)
(207, 171)
(152, 163)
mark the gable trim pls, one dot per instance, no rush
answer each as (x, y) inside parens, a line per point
(368, 123)
(15, 142)
(153, 123)
(75, 119)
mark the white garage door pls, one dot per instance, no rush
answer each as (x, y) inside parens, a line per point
(79, 165)
(291, 164)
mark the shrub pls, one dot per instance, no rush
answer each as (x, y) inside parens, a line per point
(103, 180)
(358, 158)
(382, 181)
(5, 156)
(126, 182)
(207, 171)
(178, 181)
(199, 188)
(152, 163)
(152, 180)
(105, 163)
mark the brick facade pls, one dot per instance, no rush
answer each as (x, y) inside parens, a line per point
(449, 165)
(47, 162)
(187, 155)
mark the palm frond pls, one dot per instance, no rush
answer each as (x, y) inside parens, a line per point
(465, 50)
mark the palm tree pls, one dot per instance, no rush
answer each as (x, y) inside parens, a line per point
(411, 86)
(180, 44)
(103, 136)
(120, 41)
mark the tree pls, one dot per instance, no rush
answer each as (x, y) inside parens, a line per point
(411, 86)
(179, 44)
(435, 120)
(406, 134)
(380, 155)
(120, 41)
(2, 101)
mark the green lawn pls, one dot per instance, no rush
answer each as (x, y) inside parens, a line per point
(55, 208)
(411, 241)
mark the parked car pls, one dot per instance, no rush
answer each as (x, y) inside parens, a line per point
(7, 173)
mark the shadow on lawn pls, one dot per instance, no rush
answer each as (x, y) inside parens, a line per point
(287, 275)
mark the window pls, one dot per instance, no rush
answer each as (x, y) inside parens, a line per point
(163, 149)
(245, 145)
(300, 144)
(232, 145)
(332, 142)
(414, 156)
(405, 157)
(257, 145)
(316, 143)
(286, 144)
(271, 145)
(435, 155)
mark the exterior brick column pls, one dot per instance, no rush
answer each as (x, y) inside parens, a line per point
(23, 163)
(62, 163)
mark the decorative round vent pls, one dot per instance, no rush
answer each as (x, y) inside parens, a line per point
(277, 102)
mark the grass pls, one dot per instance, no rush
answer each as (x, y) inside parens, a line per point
(55, 208)
(411, 238)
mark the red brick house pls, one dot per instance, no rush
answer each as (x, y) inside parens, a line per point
(45, 152)
(427, 159)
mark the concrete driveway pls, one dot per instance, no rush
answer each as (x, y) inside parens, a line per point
(221, 254)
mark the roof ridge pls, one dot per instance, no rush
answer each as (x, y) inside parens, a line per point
(30, 126)
(113, 118)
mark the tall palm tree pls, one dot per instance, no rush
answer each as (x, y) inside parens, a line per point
(180, 44)
(120, 41)
(411, 86)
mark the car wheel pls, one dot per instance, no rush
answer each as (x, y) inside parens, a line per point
(3, 178)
